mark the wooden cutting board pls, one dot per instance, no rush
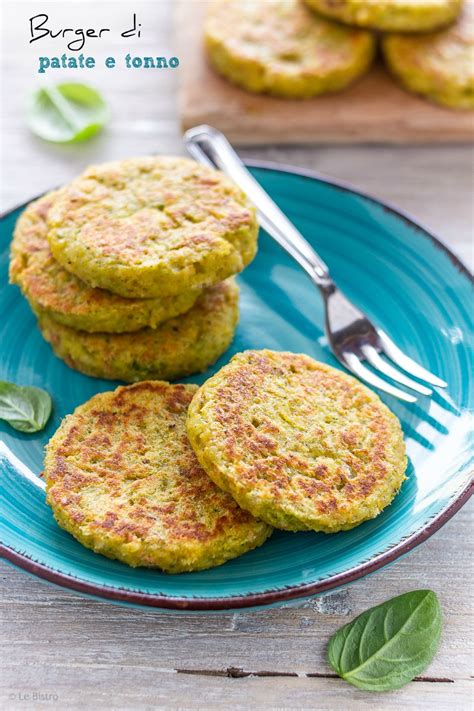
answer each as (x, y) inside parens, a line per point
(375, 109)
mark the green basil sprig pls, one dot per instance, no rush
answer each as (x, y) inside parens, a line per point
(387, 646)
(67, 113)
(26, 409)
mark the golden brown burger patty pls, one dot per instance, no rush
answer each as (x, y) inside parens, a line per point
(122, 478)
(297, 443)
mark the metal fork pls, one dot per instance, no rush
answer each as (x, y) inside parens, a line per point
(352, 336)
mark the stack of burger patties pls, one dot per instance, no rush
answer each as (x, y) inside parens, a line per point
(129, 267)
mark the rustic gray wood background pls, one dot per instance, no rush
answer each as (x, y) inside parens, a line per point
(82, 654)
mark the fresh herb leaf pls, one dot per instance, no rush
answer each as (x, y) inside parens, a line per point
(387, 646)
(26, 409)
(67, 113)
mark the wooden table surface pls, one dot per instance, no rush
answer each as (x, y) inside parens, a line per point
(60, 650)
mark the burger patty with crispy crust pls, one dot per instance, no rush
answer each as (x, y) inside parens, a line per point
(390, 15)
(297, 443)
(67, 299)
(280, 47)
(439, 65)
(122, 478)
(152, 227)
(184, 345)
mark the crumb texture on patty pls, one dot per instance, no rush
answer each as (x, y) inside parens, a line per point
(181, 346)
(438, 65)
(67, 299)
(122, 478)
(297, 443)
(390, 15)
(280, 47)
(152, 227)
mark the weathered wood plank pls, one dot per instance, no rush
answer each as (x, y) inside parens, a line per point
(53, 637)
(131, 689)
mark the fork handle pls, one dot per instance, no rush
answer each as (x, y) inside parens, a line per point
(210, 147)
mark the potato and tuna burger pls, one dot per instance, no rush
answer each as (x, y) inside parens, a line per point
(280, 47)
(297, 443)
(122, 478)
(69, 301)
(152, 227)
(438, 65)
(390, 15)
(181, 346)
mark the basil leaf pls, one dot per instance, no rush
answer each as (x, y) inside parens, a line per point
(387, 646)
(26, 409)
(67, 113)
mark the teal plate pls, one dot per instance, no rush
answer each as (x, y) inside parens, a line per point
(402, 277)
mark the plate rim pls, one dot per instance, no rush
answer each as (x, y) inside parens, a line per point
(285, 594)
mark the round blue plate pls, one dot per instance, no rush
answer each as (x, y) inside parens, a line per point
(402, 277)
